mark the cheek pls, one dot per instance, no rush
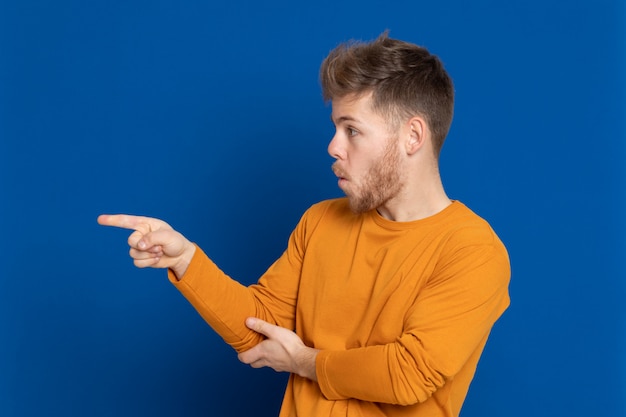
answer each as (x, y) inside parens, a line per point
(358, 167)
(366, 161)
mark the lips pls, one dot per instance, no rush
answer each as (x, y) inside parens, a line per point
(341, 175)
(339, 172)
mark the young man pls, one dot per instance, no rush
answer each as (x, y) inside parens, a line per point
(383, 301)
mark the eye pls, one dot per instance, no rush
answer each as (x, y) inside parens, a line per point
(351, 131)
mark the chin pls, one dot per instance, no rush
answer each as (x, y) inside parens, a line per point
(359, 206)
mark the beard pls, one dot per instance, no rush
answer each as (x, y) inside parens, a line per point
(381, 182)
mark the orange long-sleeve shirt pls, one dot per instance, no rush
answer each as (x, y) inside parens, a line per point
(401, 311)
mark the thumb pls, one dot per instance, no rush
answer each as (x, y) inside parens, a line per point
(260, 326)
(171, 242)
(141, 238)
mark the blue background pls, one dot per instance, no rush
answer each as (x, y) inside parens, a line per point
(210, 116)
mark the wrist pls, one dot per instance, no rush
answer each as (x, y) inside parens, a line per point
(184, 260)
(306, 363)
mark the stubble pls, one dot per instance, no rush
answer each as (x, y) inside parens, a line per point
(381, 182)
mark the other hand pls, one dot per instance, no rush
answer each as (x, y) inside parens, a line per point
(283, 350)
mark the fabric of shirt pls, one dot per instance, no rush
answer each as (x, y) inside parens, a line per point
(400, 311)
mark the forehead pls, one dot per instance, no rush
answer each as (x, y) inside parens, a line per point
(352, 106)
(359, 110)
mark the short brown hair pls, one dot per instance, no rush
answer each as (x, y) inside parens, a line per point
(405, 80)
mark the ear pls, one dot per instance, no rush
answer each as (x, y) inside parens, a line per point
(416, 134)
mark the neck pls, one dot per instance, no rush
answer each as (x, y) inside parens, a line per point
(417, 199)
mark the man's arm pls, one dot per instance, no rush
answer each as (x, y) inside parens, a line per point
(444, 333)
(223, 302)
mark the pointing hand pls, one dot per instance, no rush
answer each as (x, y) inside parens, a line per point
(153, 243)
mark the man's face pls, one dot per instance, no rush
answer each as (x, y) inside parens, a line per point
(368, 159)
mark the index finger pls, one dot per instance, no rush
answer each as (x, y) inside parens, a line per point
(127, 221)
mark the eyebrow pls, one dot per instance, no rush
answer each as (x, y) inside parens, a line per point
(343, 119)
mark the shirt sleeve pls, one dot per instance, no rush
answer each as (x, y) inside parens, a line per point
(225, 303)
(447, 324)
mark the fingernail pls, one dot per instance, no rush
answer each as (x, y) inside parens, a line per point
(141, 244)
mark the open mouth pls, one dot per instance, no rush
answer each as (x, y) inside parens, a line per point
(339, 173)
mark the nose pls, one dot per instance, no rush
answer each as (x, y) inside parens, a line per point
(335, 149)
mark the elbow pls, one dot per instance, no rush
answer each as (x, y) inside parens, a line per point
(415, 379)
(415, 393)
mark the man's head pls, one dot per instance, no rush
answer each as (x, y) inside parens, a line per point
(405, 80)
(368, 157)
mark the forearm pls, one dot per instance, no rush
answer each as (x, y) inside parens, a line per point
(225, 304)
(383, 374)
(222, 302)
(419, 363)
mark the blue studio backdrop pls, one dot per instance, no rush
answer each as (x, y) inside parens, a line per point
(209, 115)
